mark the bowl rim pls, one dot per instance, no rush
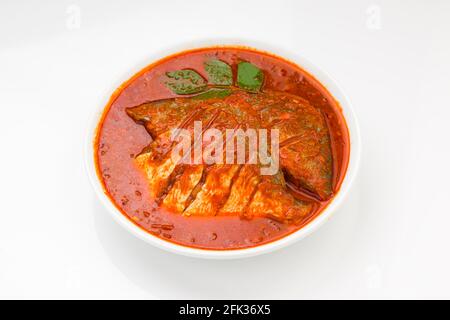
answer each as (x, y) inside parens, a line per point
(324, 78)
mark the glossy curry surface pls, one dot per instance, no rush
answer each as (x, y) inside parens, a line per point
(189, 204)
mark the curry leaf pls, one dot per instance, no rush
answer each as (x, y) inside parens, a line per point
(185, 81)
(249, 77)
(219, 72)
(213, 93)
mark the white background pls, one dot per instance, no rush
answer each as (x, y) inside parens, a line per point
(389, 240)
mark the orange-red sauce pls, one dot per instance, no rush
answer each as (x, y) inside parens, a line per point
(119, 139)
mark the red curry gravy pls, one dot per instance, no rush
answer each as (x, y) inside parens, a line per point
(119, 140)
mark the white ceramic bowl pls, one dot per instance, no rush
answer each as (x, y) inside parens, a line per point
(325, 79)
